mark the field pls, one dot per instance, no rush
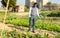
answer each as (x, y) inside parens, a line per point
(46, 27)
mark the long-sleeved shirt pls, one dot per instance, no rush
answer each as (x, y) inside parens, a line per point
(33, 11)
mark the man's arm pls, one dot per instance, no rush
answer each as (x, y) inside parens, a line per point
(30, 12)
(38, 13)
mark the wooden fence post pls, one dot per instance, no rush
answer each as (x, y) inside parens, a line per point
(6, 11)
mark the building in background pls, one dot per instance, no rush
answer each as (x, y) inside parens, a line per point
(22, 4)
(41, 3)
(27, 3)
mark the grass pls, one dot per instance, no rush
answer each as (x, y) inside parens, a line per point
(41, 25)
(18, 34)
(19, 21)
(25, 22)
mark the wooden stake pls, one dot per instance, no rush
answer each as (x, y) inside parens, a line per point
(6, 11)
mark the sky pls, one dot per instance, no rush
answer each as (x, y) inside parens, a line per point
(55, 1)
(0, 3)
(22, 2)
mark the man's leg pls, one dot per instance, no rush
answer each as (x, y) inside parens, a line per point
(33, 26)
(30, 23)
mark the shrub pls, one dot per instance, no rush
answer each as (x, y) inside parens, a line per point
(10, 17)
(26, 10)
(54, 14)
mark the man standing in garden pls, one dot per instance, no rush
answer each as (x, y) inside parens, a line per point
(32, 16)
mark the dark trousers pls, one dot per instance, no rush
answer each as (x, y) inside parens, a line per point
(32, 23)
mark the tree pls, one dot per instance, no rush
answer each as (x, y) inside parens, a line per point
(12, 3)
